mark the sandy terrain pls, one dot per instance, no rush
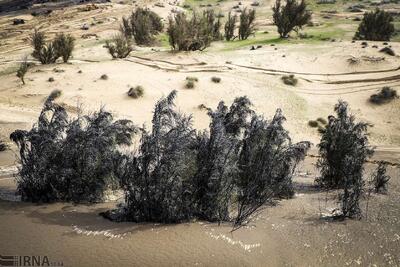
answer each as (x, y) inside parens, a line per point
(289, 234)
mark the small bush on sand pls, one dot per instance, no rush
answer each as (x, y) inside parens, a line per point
(64, 45)
(104, 77)
(343, 150)
(194, 33)
(230, 26)
(375, 26)
(69, 160)
(189, 84)
(215, 79)
(3, 146)
(380, 179)
(22, 70)
(313, 124)
(289, 80)
(293, 16)
(143, 24)
(119, 46)
(136, 92)
(388, 51)
(247, 23)
(192, 78)
(385, 95)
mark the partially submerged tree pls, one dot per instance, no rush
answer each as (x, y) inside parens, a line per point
(143, 24)
(119, 46)
(266, 165)
(230, 26)
(157, 179)
(375, 26)
(291, 16)
(344, 149)
(63, 160)
(247, 23)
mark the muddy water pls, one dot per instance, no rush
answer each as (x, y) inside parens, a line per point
(288, 234)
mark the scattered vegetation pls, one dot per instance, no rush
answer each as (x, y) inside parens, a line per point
(385, 95)
(143, 24)
(293, 16)
(119, 46)
(104, 77)
(66, 159)
(54, 95)
(215, 79)
(343, 151)
(136, 92)
(380, 179)
(375, 26)
(230, 26)
(313, 124)
(289, 80)
(189, 84)
(23, 69)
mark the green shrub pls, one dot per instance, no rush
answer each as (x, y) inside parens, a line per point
(192, 78)
(380, 179)
(247, 23)
(136, 92)
(22, 70)
(230, 26)
(143, 24)
(64, 45)
(119, 46)
(54, 95)
(194, 33)
(289, 80)
(292, 16)
(375, 26)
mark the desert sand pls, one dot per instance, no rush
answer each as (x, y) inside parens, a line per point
(292, 233)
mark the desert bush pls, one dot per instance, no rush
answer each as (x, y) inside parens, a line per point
(64, 45)
(143, 24)
(3, 146)
(69, 160)
(343, 150)
(189, 84)
(157, 179)
(119, 46)
(313, 124)
(195, 33)
(247, 23)
(386, 94)
(293, 16)
(375, 26)
(380, 179)
(136, 92)
(22, 70)
(266, 165)
(289, 80)
(215, 79)
(42, 51)
(230, 26)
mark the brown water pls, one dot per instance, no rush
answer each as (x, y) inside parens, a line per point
(289, 234)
